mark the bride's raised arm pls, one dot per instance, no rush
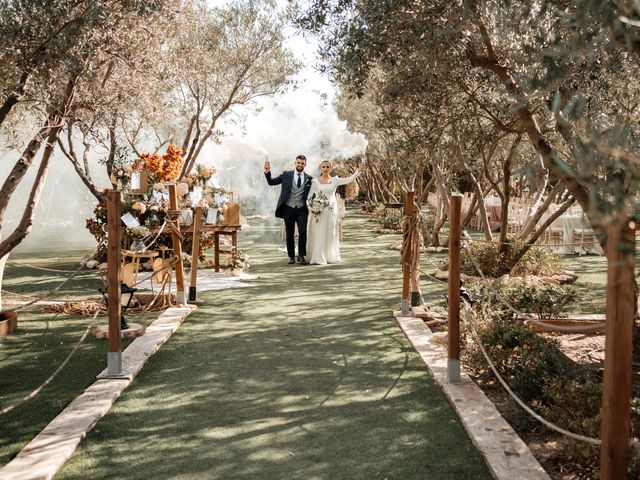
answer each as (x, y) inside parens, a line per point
(345, 180)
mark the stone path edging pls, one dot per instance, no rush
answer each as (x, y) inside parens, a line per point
(506, 455)
(52, 447)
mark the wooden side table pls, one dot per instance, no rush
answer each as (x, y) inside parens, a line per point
(233, 233)
(130, 275)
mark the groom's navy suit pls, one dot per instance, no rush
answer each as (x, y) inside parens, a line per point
(292, 208)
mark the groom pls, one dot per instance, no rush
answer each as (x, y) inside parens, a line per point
(292, 205)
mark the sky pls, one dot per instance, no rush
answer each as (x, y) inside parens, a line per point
(300, 121)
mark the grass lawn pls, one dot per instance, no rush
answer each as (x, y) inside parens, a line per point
(43, 340)
(303, 375)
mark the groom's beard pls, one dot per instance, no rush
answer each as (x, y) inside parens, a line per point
(299, 170)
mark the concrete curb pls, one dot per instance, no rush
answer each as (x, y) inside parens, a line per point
(52, 447)
(504, 452)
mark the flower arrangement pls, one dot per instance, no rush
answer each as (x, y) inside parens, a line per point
(202, 174)
(318, 203)
(121, 174)
(139, 207)
(238, 260)
(182, 189)
(166, 167)
(138, 232)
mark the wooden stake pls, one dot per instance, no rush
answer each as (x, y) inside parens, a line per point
(176, 245)
(195, 253)
(616, 396)
(455, 232)
(415, 274)
(406, 256)
(114, 231)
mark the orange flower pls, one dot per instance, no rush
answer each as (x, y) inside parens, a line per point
(165, 168)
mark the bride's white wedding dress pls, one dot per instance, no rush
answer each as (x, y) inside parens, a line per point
(323, 244)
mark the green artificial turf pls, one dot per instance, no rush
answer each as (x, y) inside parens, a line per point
(42, 342)
(304, 375)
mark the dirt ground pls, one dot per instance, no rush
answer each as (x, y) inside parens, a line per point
(582, 348)
(549, 448)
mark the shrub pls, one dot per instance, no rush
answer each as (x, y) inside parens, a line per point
(524, 359)
(390, 220)
(538, 261)
(488, 258)
(495, 263)
(530, 296)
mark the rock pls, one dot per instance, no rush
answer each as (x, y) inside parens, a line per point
(444, 275)
(134, 330)
(395, 246)
(103, 266)
(91, 264)
(440, 338)
(566, 277)
(436, 250)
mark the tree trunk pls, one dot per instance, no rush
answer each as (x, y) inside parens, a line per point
(26, 222)
(19, 170)
(3, 263)
(53, 125)
(82, 173)
(506, 191)
(550, 157)
(536, 215)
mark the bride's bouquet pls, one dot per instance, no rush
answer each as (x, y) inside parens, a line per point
(318, 203)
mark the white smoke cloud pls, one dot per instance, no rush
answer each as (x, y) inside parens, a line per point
(296, 122)
(290, 124)
(64, 205)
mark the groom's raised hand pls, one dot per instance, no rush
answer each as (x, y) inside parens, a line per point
(267, 167)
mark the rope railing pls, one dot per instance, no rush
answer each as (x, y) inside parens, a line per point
(155, 239)
(35, 392)
(58, 287)
(535, 245)
(520, 402)
(50, 292)
(44, 269)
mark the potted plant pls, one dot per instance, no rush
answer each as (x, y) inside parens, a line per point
(238, 262)
(8, 322)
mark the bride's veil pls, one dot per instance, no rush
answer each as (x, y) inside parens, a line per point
(315, 171)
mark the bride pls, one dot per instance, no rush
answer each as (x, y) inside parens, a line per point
(323, 245)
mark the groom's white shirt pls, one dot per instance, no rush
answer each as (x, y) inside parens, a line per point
(294, 182)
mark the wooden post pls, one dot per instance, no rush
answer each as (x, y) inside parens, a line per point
(406, 257)
(195, 253)
(176, 245)
(616, 395)
(114, 231)
(453, 337)
(415, 262)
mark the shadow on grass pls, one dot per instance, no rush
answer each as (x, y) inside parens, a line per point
(304, 375)
(42, 342)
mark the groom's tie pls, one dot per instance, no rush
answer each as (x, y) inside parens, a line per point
(299, 180)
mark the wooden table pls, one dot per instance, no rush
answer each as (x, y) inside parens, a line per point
(218, 231)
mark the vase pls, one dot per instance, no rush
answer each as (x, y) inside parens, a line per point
(137, 246)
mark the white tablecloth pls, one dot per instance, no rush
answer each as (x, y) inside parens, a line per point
(569, 224)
